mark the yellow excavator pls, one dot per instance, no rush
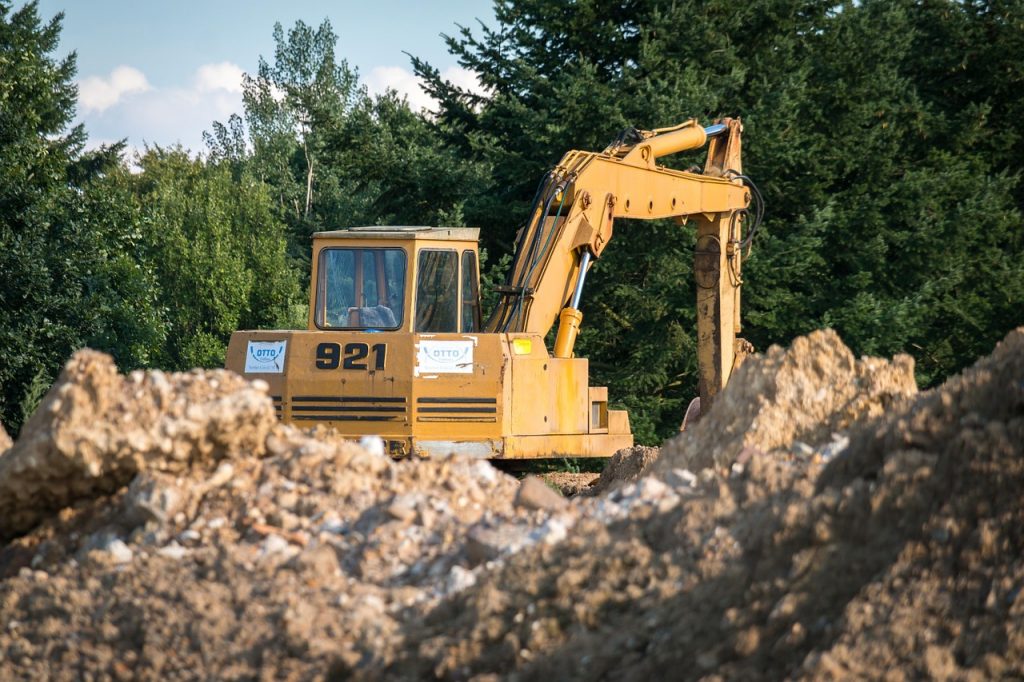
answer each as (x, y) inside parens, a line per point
(396, 345)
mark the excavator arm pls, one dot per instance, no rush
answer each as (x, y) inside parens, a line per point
(571, 224)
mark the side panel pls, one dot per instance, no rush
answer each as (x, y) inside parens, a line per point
(577, 445)
(428, 393)
(358, 383)
(457, 382)
(549, 395)
(239, 349)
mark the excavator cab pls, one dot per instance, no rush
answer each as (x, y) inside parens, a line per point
(411, 279)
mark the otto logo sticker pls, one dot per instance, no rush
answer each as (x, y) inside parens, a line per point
(266, 357)
(445, 357)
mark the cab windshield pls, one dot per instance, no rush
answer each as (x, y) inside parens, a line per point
(360, 288)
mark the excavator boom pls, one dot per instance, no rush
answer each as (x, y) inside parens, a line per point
(572, 221)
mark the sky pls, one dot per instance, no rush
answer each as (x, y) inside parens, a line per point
(162, 72)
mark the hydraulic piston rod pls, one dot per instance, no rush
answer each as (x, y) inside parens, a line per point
(570, 318)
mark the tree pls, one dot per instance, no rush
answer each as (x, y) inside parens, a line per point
(219, 252)
(331, 155)
(66, 275)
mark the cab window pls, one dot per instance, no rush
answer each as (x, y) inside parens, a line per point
(437, 291)
(470, 293)
(360, 288)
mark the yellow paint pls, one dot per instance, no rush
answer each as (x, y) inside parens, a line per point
(522, 346)
(568, 327)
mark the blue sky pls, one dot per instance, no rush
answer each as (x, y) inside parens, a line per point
(161, 72)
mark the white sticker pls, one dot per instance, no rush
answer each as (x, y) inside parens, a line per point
(265, 357)
(445, 357)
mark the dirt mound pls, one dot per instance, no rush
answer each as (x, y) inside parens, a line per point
(798, 396)
(204, 538)
(96, 429)
(571, 484)
(903, 559)
(624, 466)
(895, 553)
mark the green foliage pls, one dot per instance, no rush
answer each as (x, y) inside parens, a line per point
(66, 275)
(218, 251)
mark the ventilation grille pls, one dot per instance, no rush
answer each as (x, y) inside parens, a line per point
(321, 408)
(457, 410)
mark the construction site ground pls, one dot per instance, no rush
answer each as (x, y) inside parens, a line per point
(826, 520)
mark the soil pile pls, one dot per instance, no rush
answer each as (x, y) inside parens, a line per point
(572, 484)
(239, 548)
(804, 394)
(624, 466)
(894, 549)
(898, 555)
(95, 429)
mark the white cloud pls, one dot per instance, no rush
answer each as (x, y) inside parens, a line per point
(406, 83)
(96, 93)
(159, 115)
(125, 105)
(465, 79)
(220, 76)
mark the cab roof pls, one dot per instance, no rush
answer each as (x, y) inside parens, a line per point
(403, 232)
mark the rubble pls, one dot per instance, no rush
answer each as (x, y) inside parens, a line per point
(95, 429)
(794, 397)
(877, 534)
(534, 493)
(624, 466)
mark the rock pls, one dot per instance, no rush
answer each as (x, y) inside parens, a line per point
(459, 579)
(273, 544)
(486, 543)
(173, 551)
(223, 474)
(190, 535)
(681, 478)
(552, 531)
(802, 449)
(402, 508)
(535, 494)
(152, 497)
(119, 552)
(373, 445)
(837, 447)
(650, 489)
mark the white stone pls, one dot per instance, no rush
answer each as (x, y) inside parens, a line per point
(273, 544)
(173, 551)
(682, 478)
(459, 579)
(120, 553)
(372, 444)
(836, 448)
(190, 535)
